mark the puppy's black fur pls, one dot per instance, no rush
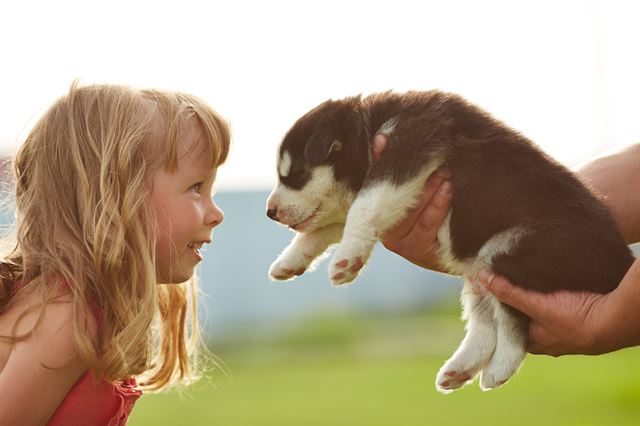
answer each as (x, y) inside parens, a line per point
(500, 180)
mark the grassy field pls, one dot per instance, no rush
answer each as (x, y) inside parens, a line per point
(341, 370)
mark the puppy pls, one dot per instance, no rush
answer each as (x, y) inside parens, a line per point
(514, 211)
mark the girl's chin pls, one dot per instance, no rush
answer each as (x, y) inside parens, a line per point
(176, 278)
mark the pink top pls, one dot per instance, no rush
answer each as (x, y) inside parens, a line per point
(91, 403)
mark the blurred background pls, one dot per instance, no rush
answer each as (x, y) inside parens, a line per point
(303, 353)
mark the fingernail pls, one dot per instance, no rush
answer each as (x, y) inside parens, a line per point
(443, 173)
(445, 188)
(485, 278)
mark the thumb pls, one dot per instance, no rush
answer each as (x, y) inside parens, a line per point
(512, 295)
(378, 144)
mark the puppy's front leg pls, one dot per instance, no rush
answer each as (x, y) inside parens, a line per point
(303, 249)
(377, 208)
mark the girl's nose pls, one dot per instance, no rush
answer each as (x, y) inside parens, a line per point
(214, 216)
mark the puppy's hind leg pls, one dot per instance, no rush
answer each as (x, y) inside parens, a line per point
(511, 347)
(477, 347)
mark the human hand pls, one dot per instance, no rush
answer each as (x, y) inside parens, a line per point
(562, 322)
(415, 237)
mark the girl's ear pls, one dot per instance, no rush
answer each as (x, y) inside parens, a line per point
(318, 149)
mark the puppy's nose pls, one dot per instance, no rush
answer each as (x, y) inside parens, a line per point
(272, 213)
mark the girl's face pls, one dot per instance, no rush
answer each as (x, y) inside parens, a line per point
(184, 208)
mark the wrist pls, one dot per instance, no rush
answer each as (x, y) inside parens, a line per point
(618, 319)
(606, 336)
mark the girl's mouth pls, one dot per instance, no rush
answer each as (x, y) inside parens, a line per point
(196, 246)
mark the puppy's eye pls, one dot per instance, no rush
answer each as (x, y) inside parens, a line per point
(295, 172)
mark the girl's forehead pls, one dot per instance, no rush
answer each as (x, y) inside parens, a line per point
(192, 145)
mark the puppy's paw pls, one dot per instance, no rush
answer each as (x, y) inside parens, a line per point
(288, 267)
(462, 367)
(348, 260)
(449, 380)
(491, 380)
(343, 271)
(504, 364)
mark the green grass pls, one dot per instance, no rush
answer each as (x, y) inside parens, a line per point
(382, 372)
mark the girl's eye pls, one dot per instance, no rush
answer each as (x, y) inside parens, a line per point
(196, 187)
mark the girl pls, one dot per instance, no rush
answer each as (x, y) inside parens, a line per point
(97, 296)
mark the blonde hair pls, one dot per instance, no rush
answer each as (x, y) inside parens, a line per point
(84, 221)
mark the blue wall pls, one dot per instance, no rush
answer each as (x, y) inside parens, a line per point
(238, 291)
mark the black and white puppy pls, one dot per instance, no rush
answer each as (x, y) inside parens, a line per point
(514, 211)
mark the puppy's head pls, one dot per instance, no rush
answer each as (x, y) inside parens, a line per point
(321, 164)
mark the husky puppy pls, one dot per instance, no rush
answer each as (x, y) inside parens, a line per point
(515, 211)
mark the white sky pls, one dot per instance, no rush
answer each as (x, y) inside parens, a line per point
(565, 73)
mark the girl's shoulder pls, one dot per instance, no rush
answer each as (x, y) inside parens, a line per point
(44, 359)
(48, 325)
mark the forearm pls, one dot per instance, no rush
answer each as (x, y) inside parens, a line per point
(617, 178)
(617, 324)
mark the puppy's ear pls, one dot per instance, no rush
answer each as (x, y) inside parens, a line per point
(319, 148)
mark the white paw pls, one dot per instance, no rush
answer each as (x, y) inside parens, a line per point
(503, 365)
(491, 380)
(347, 263)
(456, 373)
(288, 266)
(463, 366)
(449, 379)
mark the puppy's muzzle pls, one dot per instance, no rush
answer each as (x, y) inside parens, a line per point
(272, 213)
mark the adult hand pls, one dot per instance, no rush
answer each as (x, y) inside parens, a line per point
(565, 322)
(568, 322)
(415, 238)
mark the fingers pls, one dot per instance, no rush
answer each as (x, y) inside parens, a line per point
(432, 207)
(423, 213)
(377, 145)
(415, 237)
(523, 300)
(437, 208)
(526, 301)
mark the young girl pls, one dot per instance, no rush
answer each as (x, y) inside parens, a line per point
(97, 296)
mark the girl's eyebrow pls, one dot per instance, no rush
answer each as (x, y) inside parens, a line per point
(203, 174)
